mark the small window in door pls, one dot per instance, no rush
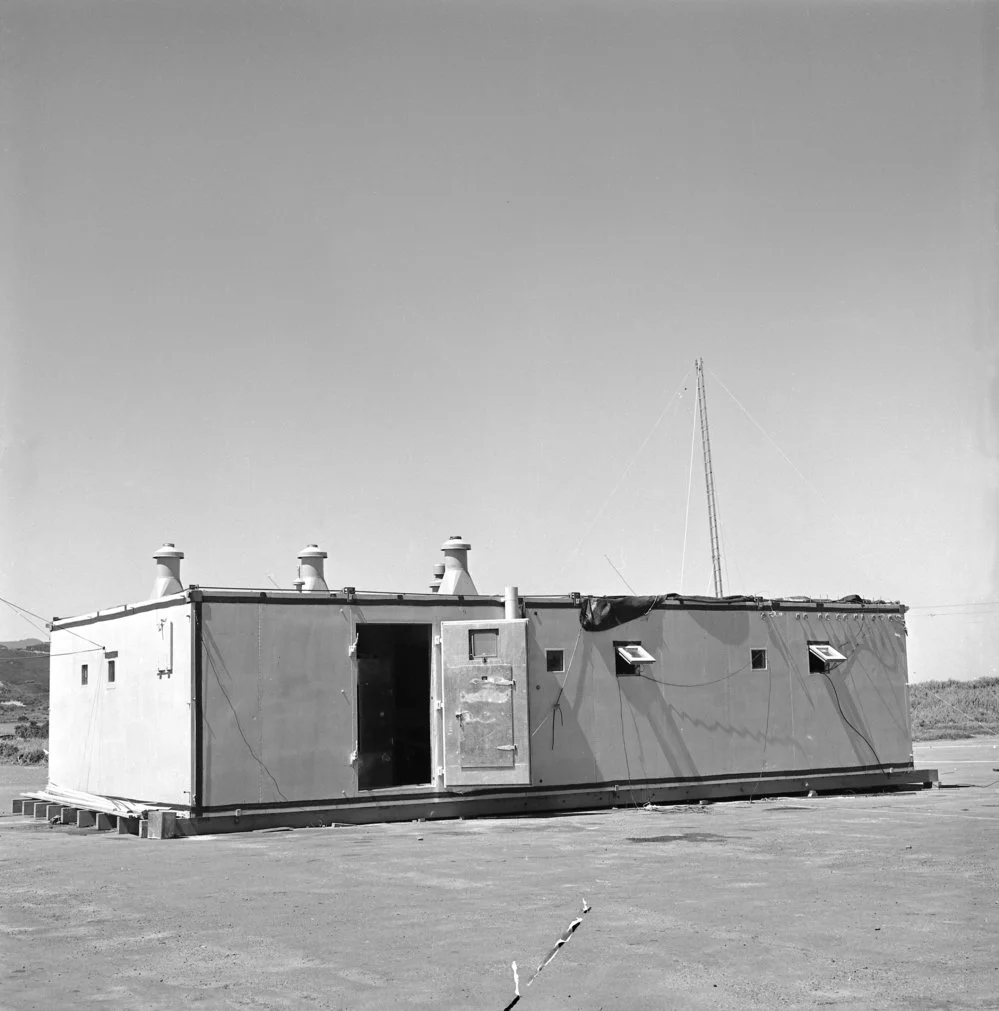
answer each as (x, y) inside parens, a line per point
(555, 661)
(482, 643)
(758, 659)
(84, 673)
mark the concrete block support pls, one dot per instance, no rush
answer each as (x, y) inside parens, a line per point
(67, 816)
(18, 806)
(85, 819)
(103, 821)
(53, 811)
(128, 826)
(162, 824)
(38, 809)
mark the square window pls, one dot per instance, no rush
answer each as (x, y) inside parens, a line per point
(111, 671)
(84, 673)
(483, 642)
(629, 657)
(555, 661)
(758, 659)
(822, 657)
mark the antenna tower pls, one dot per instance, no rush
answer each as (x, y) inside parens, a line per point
(709, 480)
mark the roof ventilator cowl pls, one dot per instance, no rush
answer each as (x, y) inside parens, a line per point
(456, 578)
(310, 569)
(167, 571)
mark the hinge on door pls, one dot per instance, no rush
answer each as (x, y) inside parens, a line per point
(437, 640)
(438, 705)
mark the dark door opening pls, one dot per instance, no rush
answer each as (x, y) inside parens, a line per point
(393, 705)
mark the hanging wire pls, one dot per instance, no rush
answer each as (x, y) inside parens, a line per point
(766, 737)
(956, 611)
(557, 704)
(690, 484)
(772, 441)
(24, 611)
(700, 684)
(620, 481)
(815, 491)
(618, 571)
(725, 553)
(967, 603)
(211, 645)
(967, 716)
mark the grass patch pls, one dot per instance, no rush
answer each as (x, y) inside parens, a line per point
(24, 751)
(954, 709)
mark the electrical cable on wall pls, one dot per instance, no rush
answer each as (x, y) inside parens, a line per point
(700, 684)
(786, 652)
(858, 732)
(209, 640)
(556, 705)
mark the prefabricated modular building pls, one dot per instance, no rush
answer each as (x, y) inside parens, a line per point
(239, 709)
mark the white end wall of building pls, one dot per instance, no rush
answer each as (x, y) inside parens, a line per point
(130, 737)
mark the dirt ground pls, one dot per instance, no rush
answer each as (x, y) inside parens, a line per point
(844, 902)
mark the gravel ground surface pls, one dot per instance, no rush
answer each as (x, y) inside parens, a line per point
(844, 902)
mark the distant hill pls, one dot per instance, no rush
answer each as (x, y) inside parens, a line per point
(24, 671)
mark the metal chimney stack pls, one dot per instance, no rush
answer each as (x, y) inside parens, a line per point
(167, 571)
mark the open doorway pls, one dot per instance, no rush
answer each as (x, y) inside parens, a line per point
(393, 705)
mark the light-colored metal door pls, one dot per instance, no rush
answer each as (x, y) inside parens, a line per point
(484, 673)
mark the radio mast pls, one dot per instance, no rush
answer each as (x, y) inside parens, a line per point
(709, 480)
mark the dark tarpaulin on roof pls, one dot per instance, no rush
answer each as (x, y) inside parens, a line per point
(597, 614)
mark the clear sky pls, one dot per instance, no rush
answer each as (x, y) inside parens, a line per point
(371, 274)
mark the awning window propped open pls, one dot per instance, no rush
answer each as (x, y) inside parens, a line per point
(822, 657)
(635, 655)
(825, 652)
